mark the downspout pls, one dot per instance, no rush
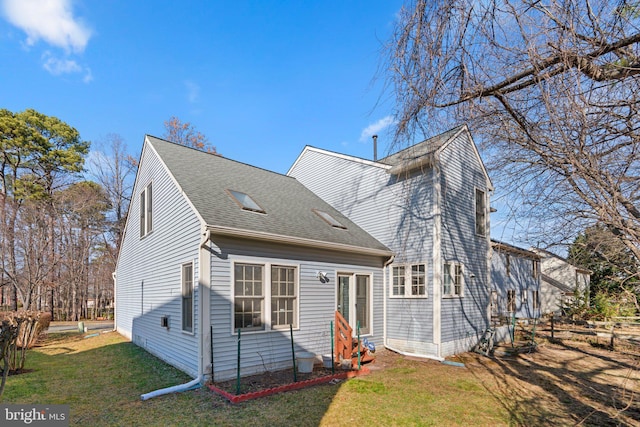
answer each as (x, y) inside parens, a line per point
(385, 295)
(197, 382)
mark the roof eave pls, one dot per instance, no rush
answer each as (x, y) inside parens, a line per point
(276, 238)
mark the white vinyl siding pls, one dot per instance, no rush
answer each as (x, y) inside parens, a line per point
(316, 303)
(156, 261)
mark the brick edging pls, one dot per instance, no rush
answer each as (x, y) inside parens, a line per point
(237, 398)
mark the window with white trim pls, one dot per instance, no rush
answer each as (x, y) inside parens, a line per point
(265, 296)
(525, 297)
(481, 213)
(398, 281)
(146, 223)
(415, 274)
(511, 300)
(283, 296)
(452, 279)
(536, 300)
(535, 268)
(187, 297)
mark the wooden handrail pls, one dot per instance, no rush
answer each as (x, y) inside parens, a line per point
(343, 338)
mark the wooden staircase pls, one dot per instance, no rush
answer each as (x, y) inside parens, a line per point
(346, 347)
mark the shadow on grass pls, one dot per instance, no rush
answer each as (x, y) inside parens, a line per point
(102, 378)
(565, 384)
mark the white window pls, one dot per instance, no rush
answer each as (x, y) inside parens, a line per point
(398, 281)
(146, 223)
(535, 268)
(187, 297)
(452, 279)
(511, 300)
(283, 296)
(507, 262)
(258, 307)
(525, 297)
(481, 214)
(415, 274)
(536, 300)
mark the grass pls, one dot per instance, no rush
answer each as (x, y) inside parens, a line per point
(102, 377)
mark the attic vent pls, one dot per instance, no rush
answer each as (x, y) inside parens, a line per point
(245, 201)
(329, 219)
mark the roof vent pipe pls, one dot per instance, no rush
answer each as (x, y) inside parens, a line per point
(375, 147)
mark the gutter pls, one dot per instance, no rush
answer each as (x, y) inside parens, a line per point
(249, 234)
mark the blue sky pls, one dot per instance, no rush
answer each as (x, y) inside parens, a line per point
(261, 79)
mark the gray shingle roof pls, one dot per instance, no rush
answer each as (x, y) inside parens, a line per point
(288, 204)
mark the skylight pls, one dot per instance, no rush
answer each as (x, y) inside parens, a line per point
(245, 201)
(329, 219)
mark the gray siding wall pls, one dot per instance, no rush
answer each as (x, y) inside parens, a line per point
(464, 319)
(148, 273)
(395, 210)
(520, 279)
(269, 350)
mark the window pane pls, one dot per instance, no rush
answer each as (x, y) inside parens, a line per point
(142, 213)
(446, 279)
(418, 279)
(187, 297)
(480, 212)
(248, 296)
(398, 281)
(283, 296)
(362, 303)
(149, 209)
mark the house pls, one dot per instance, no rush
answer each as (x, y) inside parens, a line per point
(429, 204)
(515, 278)
(216, 252)
(561, 283)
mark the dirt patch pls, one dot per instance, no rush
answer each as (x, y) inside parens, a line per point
(564, 382)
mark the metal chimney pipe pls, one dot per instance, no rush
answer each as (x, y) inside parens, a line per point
(375, 147)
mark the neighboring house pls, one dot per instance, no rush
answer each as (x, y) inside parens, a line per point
(515, 278)
(561, 283)
(213, 246)
(429, 204)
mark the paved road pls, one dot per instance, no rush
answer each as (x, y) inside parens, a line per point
(73, 326)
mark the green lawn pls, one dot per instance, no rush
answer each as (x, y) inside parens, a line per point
(102, 377)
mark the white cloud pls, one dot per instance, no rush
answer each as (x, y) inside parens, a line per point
(57, 66)
(193, 91)
(376, 128)
(49, 20)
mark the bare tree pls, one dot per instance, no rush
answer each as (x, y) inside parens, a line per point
(185, 133)
(551, 90)
(113, 169)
